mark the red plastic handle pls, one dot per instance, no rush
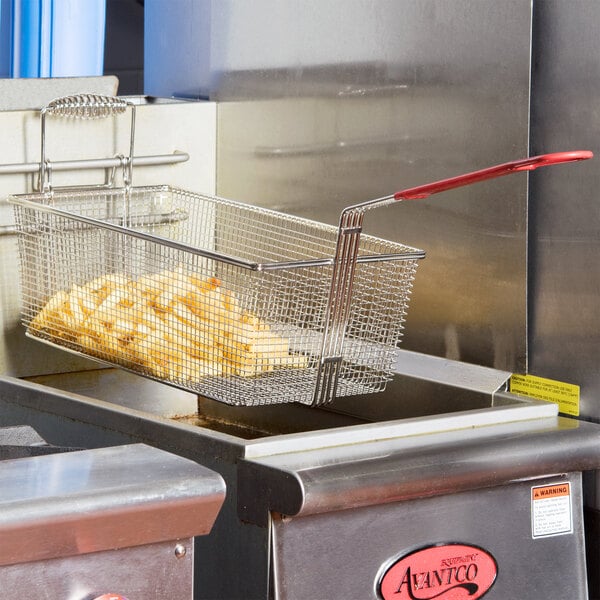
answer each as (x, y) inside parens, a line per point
(526, 164)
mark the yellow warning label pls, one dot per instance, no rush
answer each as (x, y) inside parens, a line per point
(566, 395)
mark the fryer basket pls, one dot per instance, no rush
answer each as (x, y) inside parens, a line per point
(276, 269)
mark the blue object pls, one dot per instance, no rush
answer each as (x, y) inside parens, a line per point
(5, 37)
(57, 38)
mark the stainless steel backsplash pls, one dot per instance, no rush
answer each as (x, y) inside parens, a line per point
(441, 88)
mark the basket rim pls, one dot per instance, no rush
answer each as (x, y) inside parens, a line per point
(32, 201)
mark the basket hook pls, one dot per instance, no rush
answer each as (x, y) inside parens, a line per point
(87, 106)
(45, 177)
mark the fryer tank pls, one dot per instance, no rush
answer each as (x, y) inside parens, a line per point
(348, 496)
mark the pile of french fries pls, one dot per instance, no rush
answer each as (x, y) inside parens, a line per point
(169, 325)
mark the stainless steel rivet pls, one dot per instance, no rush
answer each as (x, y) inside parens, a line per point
(180, 551)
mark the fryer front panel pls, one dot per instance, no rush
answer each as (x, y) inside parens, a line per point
(141, 573)
(346, 553)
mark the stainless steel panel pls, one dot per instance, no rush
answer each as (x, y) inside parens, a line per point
(127, 389)
(565, 220)
(404, 468)
(92, 500)
(340, 554)
(428, 394)
(147, 572)
(322, 108)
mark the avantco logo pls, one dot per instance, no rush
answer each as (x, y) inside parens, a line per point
(441, 572)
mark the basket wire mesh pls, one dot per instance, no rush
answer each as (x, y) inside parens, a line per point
(169, 296)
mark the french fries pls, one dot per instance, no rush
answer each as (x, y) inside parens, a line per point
(167, 325)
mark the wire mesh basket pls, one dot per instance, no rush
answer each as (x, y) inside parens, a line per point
(224, 299)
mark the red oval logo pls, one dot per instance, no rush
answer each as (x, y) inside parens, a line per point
(444, 572)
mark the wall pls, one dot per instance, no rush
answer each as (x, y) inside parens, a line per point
(565, 219)
(323, 104)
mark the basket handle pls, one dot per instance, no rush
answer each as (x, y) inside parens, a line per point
(347, 247)
(526, 164)
(85, 106)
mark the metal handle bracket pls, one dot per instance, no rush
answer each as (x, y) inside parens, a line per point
(85, 106)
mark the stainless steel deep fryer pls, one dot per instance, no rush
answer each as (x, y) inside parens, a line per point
(234, 302)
